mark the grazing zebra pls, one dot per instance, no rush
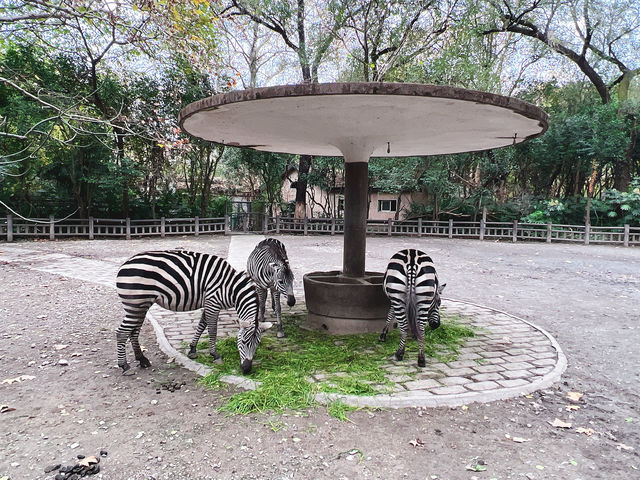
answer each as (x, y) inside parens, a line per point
(268, 267)
(180, 281)
(411, 284)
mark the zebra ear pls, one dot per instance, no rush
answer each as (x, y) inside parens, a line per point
(264, 326)
(246, 323)
(441, 288)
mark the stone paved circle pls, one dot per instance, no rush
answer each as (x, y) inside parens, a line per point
(508, 356)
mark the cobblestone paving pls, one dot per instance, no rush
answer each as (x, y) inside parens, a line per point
(507, 357)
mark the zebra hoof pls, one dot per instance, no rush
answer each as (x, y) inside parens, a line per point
(398, 357)
(382, 337)
(422, 362)
(125, 367)
(280, 334)
(216, 357)
(192, 354)
(144, 362)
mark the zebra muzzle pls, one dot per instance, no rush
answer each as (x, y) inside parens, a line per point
(291, 300)
(246, 366)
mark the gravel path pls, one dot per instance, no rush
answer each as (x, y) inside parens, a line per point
(586, 297)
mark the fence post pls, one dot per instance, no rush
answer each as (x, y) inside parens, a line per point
(389, 225)
(277, 223)
(451, 228)
(197, 226)
(90, 228)
(306, 225)
(515, 231)
(625, 239)
(265, 224)
(419, 226)
(483, 222)
(10, 228)
(128, 229)
(52, 228)
(333, 225)
(587, 233)
(163, 226)
(226, 225)
(549, 232)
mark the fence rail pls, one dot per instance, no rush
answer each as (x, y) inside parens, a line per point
(11, 228)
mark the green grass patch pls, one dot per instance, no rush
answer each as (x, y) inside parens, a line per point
(347, 364)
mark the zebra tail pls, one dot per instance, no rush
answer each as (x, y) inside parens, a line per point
(412, 311)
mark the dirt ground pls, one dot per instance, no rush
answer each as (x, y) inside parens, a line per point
(587, 297)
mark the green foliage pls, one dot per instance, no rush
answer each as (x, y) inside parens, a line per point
(350, 363)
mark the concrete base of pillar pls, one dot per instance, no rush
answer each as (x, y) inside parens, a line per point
(341, 305)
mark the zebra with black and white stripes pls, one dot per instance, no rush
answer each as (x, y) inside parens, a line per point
(180, 281)
(268, 266)
(411, 283)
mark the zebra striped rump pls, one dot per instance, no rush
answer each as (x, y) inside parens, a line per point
(180, 281)
(411, 284)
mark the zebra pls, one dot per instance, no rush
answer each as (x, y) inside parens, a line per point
(268, 267)
(411, 283)
(181, 281)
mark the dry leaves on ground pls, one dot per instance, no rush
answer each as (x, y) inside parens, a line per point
(19, 379)
(560, 424)
(575, 396)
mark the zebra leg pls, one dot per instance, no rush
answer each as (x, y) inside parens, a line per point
(131, 322)
(403, 325)
(196, 338)
(212, 313)
(262, 302)
(137, 351)
(385, 330)
(421, 361)
(275, 300)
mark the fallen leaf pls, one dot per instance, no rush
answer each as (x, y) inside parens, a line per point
(139, 435)
(628, 419)
(88, 461)
(6, 409)
(622, 446)
(416, 443)
(17, 379)
(574, 396)
(587, 431)
(464, 408)
(520, 439)
(573, 462)
(560, 424)
(572, 408)
(60, 346)
(539, 467)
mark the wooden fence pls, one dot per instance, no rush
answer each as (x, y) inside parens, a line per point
(11, 228)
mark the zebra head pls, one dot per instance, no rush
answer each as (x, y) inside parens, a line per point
(434, 311)
(284, 280)
(249, 337)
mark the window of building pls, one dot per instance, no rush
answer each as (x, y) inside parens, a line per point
(387, 205)
(340, 204)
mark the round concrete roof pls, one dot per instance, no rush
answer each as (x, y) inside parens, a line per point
(376, 119)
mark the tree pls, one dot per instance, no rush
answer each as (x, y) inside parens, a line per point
(309, 35)
(382, 35)
(602, 41)
(95, 37)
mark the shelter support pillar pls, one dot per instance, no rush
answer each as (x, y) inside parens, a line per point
(355, 218)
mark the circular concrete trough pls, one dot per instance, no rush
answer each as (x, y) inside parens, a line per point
(339, 304)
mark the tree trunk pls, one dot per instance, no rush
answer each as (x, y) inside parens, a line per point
(301, 186)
